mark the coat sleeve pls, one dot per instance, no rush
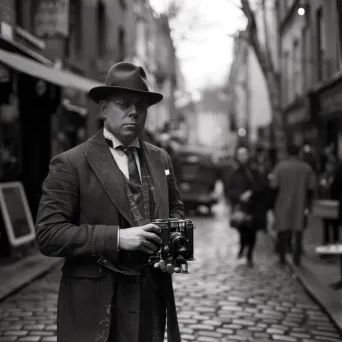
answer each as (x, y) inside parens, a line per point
(233, 188)
(57, 231)
(176, 206)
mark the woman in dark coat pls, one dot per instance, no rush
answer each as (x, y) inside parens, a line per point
(329, 188)
(247, 189)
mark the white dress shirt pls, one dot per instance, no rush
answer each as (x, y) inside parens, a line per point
(119, 155)
(121, 159)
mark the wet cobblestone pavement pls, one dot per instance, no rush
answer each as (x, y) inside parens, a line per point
(220, 300)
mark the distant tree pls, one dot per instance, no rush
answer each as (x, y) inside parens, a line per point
(262, 50)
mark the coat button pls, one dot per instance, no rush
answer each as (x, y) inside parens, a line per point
(133, 280)
(105, 261)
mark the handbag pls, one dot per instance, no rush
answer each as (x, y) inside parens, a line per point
(239, 219)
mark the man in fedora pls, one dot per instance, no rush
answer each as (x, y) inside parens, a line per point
(95, 212)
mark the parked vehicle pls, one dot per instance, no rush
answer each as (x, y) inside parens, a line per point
(197, 177)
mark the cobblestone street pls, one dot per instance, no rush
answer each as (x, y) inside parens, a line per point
(220, 300)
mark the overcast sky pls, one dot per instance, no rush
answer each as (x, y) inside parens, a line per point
(206, 56)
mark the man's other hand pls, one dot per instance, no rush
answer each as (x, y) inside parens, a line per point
(166, 267)
(142, 238)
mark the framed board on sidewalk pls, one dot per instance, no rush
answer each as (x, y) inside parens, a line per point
(16, 214)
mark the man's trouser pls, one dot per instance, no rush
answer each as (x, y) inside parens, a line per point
(294, 239)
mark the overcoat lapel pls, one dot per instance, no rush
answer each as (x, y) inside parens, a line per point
(109, 175)
(156, 168)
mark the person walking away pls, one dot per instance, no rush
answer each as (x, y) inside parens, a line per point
(294, 182)
(330, 226)
(336, 192)
(245, 189)
(98, 202)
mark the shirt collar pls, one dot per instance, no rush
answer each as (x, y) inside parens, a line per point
(117, 142)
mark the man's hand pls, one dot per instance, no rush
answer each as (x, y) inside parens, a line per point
(246, 196)
(142, 238)
(166, 267)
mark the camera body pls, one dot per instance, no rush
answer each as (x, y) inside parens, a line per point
(177, 242)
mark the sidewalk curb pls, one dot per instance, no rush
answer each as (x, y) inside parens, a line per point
(19, 274)
(322, 295)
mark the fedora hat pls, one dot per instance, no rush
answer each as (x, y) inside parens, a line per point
(125, 77)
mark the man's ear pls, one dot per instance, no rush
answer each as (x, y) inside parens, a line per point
(103, 108)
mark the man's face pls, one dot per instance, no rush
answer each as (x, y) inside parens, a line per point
(124, 115)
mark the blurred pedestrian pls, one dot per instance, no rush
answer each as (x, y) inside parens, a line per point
(336, 191)
(244, 190)
(165, 142)
(330, 226)
(294, 180)
(98, 201)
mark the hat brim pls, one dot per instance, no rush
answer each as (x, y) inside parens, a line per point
(102, 92)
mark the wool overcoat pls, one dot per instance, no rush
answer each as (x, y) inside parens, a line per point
(83, 203)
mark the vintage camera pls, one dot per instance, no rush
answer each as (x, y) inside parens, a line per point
(177, 242)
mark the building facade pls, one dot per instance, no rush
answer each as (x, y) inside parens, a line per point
(155, 51)
(52, 53)
(309, 52)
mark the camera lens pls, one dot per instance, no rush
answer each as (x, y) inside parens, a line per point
(167, 253)
(178, 242)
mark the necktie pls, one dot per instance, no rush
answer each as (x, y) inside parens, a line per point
(133, 171)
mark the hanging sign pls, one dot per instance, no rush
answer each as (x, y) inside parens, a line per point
(52, 18)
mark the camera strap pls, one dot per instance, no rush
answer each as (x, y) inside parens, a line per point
(104, 262)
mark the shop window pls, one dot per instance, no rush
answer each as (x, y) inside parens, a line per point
(19, 15)
(9, 141)
(22, 7)
(123, 4)
(320, 44)
(101, 28)
(296, 66)
(74, 42)
(285, 78)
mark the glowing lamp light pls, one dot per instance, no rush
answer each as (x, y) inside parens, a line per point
(242, 132)
(301, 11)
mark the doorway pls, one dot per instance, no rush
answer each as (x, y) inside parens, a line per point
(36, 105)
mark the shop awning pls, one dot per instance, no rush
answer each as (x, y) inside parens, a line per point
(15, 47)
(51, 74)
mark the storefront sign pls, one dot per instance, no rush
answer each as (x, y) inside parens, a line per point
(16, 213)
(52, 18)
(331, 101)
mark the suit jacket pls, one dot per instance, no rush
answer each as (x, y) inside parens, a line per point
(82, 205)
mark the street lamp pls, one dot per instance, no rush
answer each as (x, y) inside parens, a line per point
(301, 11)
(302, 7)
(242, 132)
